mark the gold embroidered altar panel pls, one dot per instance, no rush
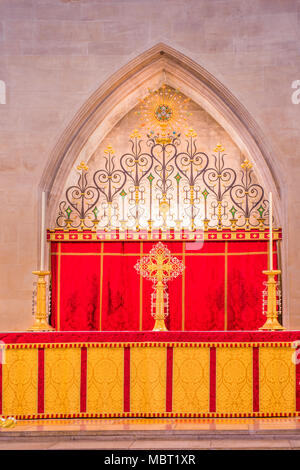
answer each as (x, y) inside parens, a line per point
(234, 380)
(148, 379)
(277, 381)
(62, 380)
(191, 380)
(105, 380)
(20, 382)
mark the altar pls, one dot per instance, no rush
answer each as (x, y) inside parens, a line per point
(150, 374)
(101, 358)
(164, 296)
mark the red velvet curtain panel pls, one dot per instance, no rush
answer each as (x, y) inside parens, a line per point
(95, 286)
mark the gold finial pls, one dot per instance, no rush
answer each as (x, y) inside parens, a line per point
(246, 164)
(82, 166)
(191, 133)
(219, 148)
(109, 149)
(135, 134)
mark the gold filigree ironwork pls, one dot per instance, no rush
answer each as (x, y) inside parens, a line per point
(160, 267)
(165, 184)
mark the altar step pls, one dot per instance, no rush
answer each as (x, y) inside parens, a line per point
(152, 434)
(244, 434)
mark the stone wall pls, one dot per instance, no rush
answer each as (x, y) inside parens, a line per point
(55, 53)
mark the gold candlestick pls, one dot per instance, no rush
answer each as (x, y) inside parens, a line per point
(160, 267)
(272, 322)
(41, 317)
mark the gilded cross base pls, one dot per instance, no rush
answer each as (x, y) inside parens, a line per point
(159, 315)
(160, 325)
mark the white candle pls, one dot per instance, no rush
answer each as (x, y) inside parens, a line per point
(270, 233)
(43, 231)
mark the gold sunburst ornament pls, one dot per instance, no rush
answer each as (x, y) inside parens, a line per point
(164, 113)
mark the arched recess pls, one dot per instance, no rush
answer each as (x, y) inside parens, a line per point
(120, 93)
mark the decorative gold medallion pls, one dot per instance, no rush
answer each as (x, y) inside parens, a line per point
(163, 113)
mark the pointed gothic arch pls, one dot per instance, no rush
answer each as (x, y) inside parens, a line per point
(120, 93)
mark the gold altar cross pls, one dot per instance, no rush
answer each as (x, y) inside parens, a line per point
(160, 267)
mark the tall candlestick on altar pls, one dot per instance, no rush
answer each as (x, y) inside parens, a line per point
(270, 233)
(41, 316)
(272, 322)
(43, 228)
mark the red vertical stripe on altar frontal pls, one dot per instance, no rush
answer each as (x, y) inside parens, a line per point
(41, 380)
(255, 361)
(83, 380)
(169, 388)
(297, 359)
(126, 379)
(212, 374)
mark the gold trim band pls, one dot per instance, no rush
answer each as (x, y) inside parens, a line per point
(148, 344)
(55, 235)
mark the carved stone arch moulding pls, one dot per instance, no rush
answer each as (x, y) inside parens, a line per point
(121, 93)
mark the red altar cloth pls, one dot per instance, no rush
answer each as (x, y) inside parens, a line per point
(95, 285)
(51, 338)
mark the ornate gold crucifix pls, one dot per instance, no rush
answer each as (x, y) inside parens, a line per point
(160, 267)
